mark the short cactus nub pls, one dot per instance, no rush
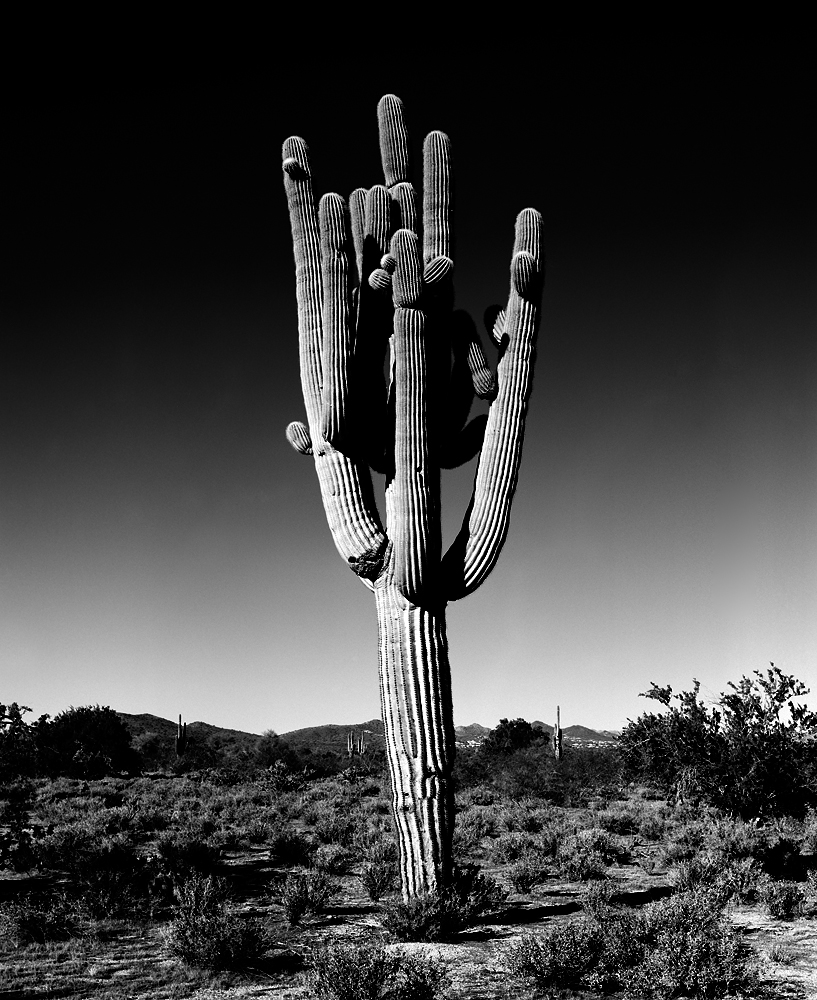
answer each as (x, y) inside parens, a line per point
(369, 287)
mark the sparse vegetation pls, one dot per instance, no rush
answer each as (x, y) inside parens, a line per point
(228, 874)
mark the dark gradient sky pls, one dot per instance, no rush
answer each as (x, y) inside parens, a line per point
(162, 549)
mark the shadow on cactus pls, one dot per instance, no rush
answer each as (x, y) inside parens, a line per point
(374, 280)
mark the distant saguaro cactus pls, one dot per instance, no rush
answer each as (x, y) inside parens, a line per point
(557, 735)
(356, 747)
(347, 259)
(181, 738)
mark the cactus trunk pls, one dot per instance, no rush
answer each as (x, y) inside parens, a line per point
(415, 691)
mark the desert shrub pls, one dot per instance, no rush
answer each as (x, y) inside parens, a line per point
(181, 854)
(472, 826)
(702, 869)
(204, 934)
(420, 978)
(306, 893)
(288, 847)
(348, 970)
(520, 817)
(733, 838)
(741, 756)
(335, 829)
(87, 742)
(689, 949)
(37, 918)
(110, 875)
(586, 854)
(440, 916)
(783, 899)
(530, 870)
(651, 827)
(782, 953)
(678, 946)
(511, 846)
(780, 858)
(378, 878)
(17, 840)
(476, 795)
(558, 959)
(333, 859)
(685, 841)
(619, 821)
(810, 833)
(742, 880)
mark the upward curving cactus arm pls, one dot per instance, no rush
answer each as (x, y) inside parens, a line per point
(410, 495)
(476, 549)
(323, 289)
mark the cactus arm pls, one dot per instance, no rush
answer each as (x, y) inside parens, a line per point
(357, 219)
(476, 549)
(436, 206)
(306, 247)
(297, 434)
(337, 330)
(394, 141)
(345, 485)
(409, 496)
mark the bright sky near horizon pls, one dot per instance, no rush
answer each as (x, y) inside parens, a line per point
(163, 550)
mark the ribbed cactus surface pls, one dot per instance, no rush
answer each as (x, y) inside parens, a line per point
(375, 292)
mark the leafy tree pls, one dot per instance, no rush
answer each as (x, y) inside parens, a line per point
(745, 755)
(89, 742)
(19, 749)
(508, 737)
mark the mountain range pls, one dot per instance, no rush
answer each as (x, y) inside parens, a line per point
(330, 737)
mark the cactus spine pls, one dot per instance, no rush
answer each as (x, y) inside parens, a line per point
(348, 258)
(181, 738)
(557, 736)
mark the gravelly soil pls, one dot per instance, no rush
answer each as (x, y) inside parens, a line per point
(129, 960)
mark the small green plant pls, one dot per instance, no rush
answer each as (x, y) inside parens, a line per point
(580, 863)
(690, 950)
(783, 900)
(378, 878)
(182, 853)
(511, 847)
(681, 946)
(530, 870)
(333, 859)
(306, 893)
(420, 978)
(350, 970)
(288, 847)
(440, 916)
(782, 953)
(204, 934)
(36, 919)
(335, 829)
(558, 959)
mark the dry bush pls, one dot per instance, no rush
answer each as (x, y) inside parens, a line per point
(204, 934)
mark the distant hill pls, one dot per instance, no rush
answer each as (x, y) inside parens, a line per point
(470, 734)
(316, 739)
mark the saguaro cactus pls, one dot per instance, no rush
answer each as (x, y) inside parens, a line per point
(557, 738)
(181, 738)
(347, 260)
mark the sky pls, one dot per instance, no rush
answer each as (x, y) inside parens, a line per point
(164, 550)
